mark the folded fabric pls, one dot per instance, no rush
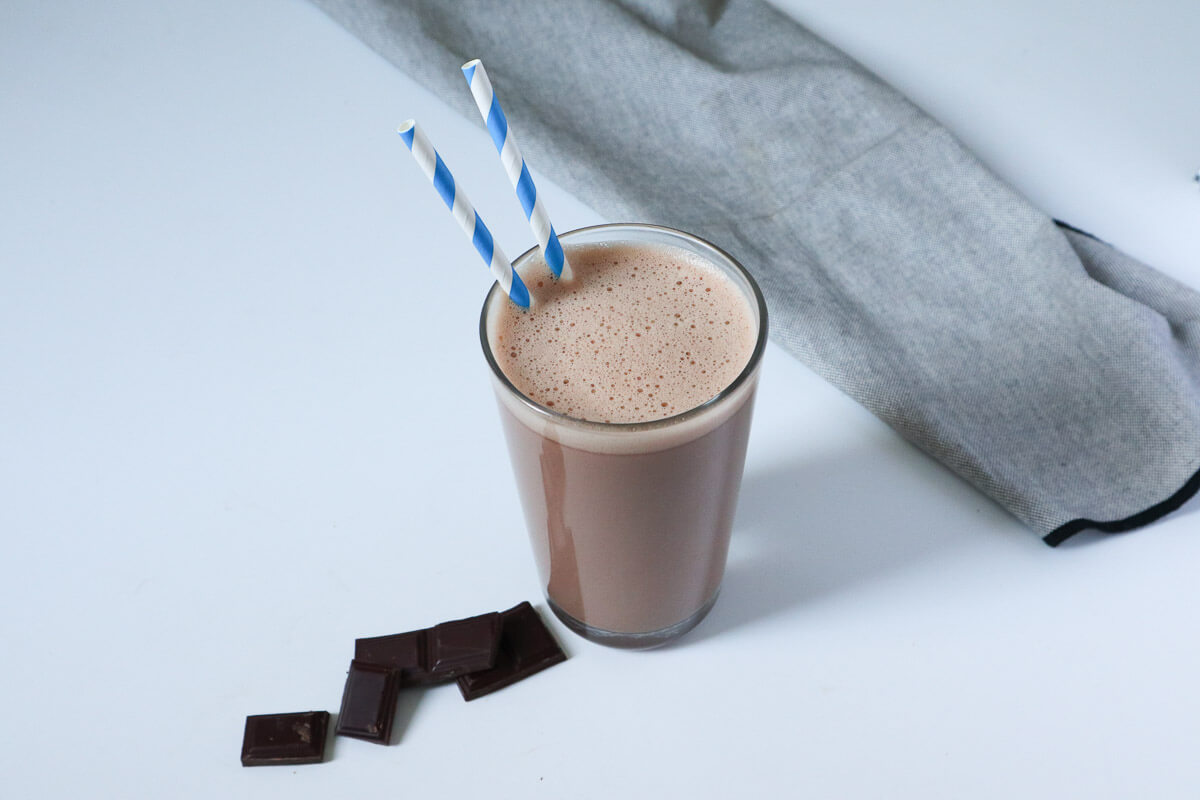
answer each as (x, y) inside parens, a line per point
(1056, 374)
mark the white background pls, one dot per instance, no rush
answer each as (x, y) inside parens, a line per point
(244, 419)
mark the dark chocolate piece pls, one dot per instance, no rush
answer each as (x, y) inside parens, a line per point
(368, 702)
(403, 652)
(526, 647)
(438, 654)
(285, 738)
(465, 645)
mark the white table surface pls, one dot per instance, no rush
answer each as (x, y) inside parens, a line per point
(244, 419)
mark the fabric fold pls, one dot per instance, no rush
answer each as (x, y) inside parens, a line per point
(1058, 375)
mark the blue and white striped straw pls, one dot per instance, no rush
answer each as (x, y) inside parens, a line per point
(514, 166)
(460, 207)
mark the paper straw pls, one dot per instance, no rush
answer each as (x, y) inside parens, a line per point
(514, 166)
(460, 207)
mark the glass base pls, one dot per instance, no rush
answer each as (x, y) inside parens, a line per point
(633, 641)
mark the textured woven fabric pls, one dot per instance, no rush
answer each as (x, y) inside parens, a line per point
(1056, 374)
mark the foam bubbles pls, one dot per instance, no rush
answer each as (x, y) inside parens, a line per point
(642, 333)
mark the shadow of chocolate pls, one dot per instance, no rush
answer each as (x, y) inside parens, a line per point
(407, 700)
(824, 525)
(331, 738)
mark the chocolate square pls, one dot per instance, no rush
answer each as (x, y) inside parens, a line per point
(285, 738)
(438, 654)
(526, 647)
(368, 702)
(404, 652)
(465, 645)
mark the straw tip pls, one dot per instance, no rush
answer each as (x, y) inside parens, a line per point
(406, 130)
(518, 293)
(469, 68)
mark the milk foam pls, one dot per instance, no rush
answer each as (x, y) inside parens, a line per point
(643, 332)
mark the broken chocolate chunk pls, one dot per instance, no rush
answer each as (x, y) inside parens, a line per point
(285, 738)
(526, 647)
(368, 702)
(438, 654)
(466, 645)
(402, 652)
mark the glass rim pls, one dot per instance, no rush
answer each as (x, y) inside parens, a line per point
(560, 418)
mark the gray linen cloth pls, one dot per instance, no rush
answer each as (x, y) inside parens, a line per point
(1056, 374)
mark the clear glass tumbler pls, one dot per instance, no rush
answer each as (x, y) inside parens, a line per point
(630, 522)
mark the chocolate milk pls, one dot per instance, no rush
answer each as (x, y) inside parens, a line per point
(626, 400)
